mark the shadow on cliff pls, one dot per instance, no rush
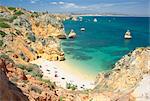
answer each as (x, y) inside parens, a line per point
(8, 90)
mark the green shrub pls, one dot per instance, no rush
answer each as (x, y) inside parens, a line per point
(31, 37)
(34, 71)
(36, 74)
(2, 33)
(29, 69)
(74, 87)
(68, 85)
(61, 98)
(36, 89)
(91, 100)
(19, 13)
(21, 54)
(8, 20)
(1, 43)
(34, 14)
(3, 19)
(71, 86)
(51, 85)
(21, 66)
(4, 25)
(12, 8)
(12, 18)
(4, 56)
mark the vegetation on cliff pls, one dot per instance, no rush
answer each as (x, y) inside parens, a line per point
(26, 36)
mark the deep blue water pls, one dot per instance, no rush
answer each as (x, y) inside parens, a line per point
(102, 43)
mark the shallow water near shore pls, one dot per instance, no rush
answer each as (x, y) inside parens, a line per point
(102, 43)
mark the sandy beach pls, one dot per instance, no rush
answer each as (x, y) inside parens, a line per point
(62, 72)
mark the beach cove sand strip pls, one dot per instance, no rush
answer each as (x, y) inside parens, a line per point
(61, 72)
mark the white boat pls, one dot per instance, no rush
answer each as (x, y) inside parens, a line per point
(95, 20)
(82, 29)
(128, 35)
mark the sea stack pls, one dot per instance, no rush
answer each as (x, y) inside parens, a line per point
(72, 34)
(128, 35)
(95, 20)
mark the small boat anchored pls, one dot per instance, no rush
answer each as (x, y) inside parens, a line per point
(128, 35)
(82, 29)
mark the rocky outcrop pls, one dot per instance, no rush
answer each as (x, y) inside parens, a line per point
(8, 90)
(15, 85)
(31, 35)
(47, 25)
(22, 22)
(128, 35)
(126, 74)
(72, 34)
(123, 82)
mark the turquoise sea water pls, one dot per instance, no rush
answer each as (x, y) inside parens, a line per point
(102, 43)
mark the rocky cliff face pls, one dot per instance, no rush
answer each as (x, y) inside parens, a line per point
(26, 36)
(122, 82)
(8, 90)
(127, 72)
(25, 83)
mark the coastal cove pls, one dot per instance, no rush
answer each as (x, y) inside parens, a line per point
(48, 57)
(102, 44)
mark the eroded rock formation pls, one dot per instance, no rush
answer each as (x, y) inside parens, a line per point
(31, 35)
(8, 90)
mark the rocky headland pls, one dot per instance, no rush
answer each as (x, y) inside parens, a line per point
(26, 36)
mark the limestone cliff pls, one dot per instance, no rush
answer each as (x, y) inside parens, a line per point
(8, 90)
(120, 83)
(26, 36)
(25, 83)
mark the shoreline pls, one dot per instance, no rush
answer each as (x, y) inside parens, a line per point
(61, 73)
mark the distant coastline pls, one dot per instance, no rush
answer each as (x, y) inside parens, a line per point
(108, 15)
